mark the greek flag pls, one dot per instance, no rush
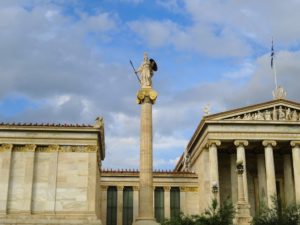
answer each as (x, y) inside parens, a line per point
(272, 54)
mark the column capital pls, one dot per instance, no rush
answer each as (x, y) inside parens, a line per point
(243, 143)
(167, 188)
(104, 187)
(30, 148)
(295, 143)
(146, 94)
(52, 148)
(213, 143)
(135, 188)
(270, 143)
(6, 147)
(120, 188)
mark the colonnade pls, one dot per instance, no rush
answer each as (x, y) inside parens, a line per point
(265, 170)
(167, 198)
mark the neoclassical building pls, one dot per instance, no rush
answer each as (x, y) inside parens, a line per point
(51, 174)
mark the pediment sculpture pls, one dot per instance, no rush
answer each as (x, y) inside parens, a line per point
(277, 113)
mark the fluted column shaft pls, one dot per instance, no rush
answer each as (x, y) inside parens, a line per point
(120, 205)
(270, 171)
(241, 156)
(146, 181)
(167, 202)
(214, 168)
(289, 192)
(296, 165)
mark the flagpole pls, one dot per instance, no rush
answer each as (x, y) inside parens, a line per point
(275, 75)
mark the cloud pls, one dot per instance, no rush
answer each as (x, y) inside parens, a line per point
(71, 68)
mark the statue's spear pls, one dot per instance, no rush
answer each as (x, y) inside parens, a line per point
(135, 71)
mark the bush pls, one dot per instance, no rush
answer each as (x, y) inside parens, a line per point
(279, 214)
(214, 215)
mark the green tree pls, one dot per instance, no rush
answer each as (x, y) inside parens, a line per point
(214, 215)
(278, 214)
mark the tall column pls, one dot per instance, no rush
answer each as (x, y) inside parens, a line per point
(241, 156)
(289, 192)
(103, 204)
(183, 200)
(214, 169)
(233, 178)
(270, 171)
(5, 160)
(146, 98)
(135, 202)
(120, 205)
(261, 175)
(296, 164)
(167, 202)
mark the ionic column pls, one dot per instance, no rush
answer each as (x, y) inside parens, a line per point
(167, 202)
(135, 202)
(103, 203)
(5, 160)
(289, 192)
(214, 169)
(296, 164)
(270, 170)
(120, 205)
(146, 98)
(241, 156)
(183, 200)
(261, 176)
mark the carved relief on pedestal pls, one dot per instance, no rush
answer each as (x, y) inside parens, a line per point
(277, 113)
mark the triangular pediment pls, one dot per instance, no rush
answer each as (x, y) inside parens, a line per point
(277, 110)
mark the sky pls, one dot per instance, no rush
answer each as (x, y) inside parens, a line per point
(67, 61)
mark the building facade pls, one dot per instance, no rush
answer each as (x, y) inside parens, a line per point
(52, 174)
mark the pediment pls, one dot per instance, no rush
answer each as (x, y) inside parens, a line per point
(277, 110)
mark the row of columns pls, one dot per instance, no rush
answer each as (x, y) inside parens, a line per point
(167, 206)
(266, 169)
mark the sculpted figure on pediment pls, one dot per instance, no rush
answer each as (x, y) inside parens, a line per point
(260, 116)
(268, 115)
(248, 116)
(274, 114)
(288, 115)
(294, 116)
(255, 116)
(281, 114)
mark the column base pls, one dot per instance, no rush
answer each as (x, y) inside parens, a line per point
(243, 214)
(145, 221)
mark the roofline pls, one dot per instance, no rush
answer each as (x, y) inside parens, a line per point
(46, 127)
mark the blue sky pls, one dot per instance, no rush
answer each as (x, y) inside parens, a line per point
(67, 61)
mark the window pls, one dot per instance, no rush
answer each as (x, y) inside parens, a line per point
(111, 217)
(175, 201)
(159, 204)
(127, 206)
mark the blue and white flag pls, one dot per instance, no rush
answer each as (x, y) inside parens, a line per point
(272, 54)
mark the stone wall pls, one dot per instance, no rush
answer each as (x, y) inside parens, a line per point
(53, 183)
